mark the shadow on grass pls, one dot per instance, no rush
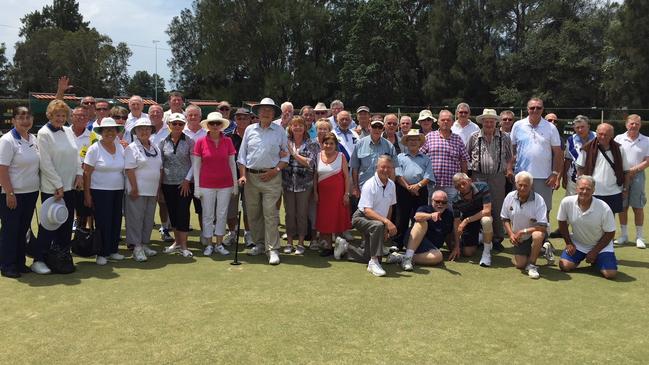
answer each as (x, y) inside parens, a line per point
(84, 270)
(632, 263)
(310, 259)
(592, 270)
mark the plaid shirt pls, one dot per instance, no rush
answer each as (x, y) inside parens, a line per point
(445, 155)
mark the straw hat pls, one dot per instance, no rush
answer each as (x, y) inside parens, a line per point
(413, 133)
(488, 114)
(426, 114)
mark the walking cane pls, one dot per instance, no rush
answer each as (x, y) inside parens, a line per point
(236, 242)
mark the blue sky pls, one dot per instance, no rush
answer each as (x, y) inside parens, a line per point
(138, 23)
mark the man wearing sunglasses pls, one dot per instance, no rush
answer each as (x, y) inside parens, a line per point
(463, 126)
(226, 111)
(433, 226)
(537, 149)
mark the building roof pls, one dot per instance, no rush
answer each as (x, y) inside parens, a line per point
(199, 102)
(124, 100)
(52, 96)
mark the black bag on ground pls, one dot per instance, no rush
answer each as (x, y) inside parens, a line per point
(59, 260)
(86, 243)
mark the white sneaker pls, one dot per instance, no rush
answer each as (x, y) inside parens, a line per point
(139, 255)
(347, 235)
(116, 256)
(549, 252)
(288, 249)
(273, 257)
(220, 249)
(639, 243)
(406, 263)
(532, 271)
(394, 258)
(247, 237)
(375, 269)
(485, 260)
(40, 267)
(208, 250)
(257, 250)
(186, 253)
(621, 240)
(284, 236)
(341, 247)
(229, 238)
(164, 235)
(100, 260)
(148, 251)
(172, 249)
(299, 250)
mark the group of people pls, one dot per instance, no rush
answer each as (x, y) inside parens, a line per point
(405, 187)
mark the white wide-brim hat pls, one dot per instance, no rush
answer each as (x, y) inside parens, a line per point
(413, 133)
(488, 114)
(53, 214)
(215, 117)
(143, 122)
(107, 123)
(266, 102)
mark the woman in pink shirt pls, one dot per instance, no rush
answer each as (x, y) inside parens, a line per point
(215, 180)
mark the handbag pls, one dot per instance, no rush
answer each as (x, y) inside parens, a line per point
(86, 242)
(59, 260)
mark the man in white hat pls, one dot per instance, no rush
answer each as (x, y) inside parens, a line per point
(490, 161)
(262, 156)
(463, 126)
(425, 121)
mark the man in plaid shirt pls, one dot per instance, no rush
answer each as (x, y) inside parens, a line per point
(447, 154)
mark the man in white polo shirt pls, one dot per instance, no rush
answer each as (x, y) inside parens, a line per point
(463, 126)
(378, 195)
(593, 228)
(636, 148)
(524, 216)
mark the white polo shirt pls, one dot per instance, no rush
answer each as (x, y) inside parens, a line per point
(603, 173)
(377, 197)
(160, 135)
(108, 173)
(147, 165)
(194, 135)
(466, 131)
(524, 215)
(589, 226)
(21, 157)
(636, 150)
(534, 147)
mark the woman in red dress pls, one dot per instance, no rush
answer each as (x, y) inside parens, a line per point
(331, 193)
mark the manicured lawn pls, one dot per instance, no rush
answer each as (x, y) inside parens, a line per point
(312, 310)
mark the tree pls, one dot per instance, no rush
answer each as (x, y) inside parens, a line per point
(143, 84)
(62, 14)
(116, 66)
(4, 71)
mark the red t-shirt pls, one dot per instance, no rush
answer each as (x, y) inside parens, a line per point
(215, 167)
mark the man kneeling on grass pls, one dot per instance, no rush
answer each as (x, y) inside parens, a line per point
(378, 195)
(593, 229)
(433, 225)
(524, 217)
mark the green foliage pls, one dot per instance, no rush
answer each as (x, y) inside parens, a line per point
(62, 14)
(4, 71)
(144, 84)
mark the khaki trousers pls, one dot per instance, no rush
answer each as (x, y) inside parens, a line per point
(263, 215)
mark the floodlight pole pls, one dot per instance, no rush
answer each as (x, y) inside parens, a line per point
(155, 77)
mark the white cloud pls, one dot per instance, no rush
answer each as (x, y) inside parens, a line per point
(136, 23)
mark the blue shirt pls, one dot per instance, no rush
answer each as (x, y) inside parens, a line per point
(260, 147)
(313, 133)
(414, 168)
(366, 154)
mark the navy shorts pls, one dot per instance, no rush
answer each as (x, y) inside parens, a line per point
(471, 234)
(605, 260)
(613, 201)
(425, 245)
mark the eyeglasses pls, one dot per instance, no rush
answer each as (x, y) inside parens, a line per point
(123, 117)
(442, 202)
(507, 119)
(100, 108)
(177, 124)
(534, 108)
(551, 120)
(463, 112)
(393, 124)
(88, 102)
(215, 123)
(320, 113)
(224, 108)
(377, 126)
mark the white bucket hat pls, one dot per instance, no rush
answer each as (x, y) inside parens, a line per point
(215, 117)
(488, 114)
(53, 214)
(143, 122)
(107, 123)
(426, 114)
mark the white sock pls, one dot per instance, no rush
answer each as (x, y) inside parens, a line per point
(375, 261)
(487, 247)
(410, 253)
(639, 233)
(623, 230)
(246, 232)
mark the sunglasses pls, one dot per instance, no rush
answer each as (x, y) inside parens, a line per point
(551, 120)
(393, 124)
(224, 108)
(320, 113)
(100, 108)
(215, 123)
(443, 202)
(123, 117)
(463, 112)
(177, 124)
(507, 119)
(88, 102)
(377, 126)
(535, 108)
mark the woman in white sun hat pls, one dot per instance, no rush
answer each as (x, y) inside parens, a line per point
(215, 180)
(142, 163)
(103, 187)
(177, 174)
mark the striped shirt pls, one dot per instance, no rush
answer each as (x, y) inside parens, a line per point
(445, 155)
(489, 157)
